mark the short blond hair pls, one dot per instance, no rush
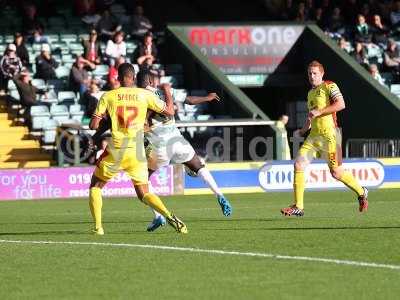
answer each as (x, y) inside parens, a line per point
(316, 64)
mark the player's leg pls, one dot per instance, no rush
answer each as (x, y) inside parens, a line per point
(306, 154)
(200, 169)
(107, 166)
(334, 160)
(155, 159)
(152, 200)
(137, 170)
(96, 203)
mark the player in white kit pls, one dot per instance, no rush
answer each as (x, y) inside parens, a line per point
(167, 145)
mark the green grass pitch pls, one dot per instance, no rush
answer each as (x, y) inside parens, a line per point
(332, 228)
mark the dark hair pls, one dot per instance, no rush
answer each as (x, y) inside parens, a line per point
(145, 78)
(126, 69)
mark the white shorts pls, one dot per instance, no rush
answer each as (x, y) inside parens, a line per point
(177, 151)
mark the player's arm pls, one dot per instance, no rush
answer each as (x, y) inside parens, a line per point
(302, 131)
(98, 113)
(194, 100)
(337, 104)
(169, 101)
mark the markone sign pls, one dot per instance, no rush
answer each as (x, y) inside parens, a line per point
(245, 49)
(280, 176)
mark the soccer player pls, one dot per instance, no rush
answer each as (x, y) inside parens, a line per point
(127, 108)
(167, 145)
(324, 100)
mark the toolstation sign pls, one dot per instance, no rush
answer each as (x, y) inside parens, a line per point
(245, 49)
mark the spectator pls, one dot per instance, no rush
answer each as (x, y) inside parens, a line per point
(344, 45)
(360, 54)
(392, 57)
(336, 22)
(362, 33)
(147, 50)
(22, 52)
(102, 148)
(92, 49)
(379, 31)
(309, 8)
(318, 18)
(288, 11)
(91, 98)
(147, 66)
(395, 15)
(38, 38)
(107, 26)
(281, 124)
(351, 11)
(301, 13)
(27, 92)
(79, 76)
(116, 47)
(140, 24)
(373, 70)
(366, 12)
(10, 65)
(45, 64)
(113, 82)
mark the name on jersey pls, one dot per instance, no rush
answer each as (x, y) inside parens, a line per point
(127, 97)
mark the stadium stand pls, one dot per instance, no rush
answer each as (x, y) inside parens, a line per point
(373, 26)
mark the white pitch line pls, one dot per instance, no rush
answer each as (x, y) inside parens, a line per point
(213, 251)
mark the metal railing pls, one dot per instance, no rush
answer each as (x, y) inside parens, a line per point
(367, 148)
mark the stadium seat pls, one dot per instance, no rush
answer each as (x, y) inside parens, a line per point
(8, 39)
(49, 98)
(11, 85)
(136, 67)
(66, 97)
(75, 47)
(203, 118)
(77, 111)
(55, 84)
(62, 72)
(174, 69)
(15, 95)
(52, 38)
(59, 113)
(39, 115)
(49, 131)
(395, 89)
(67, 58)
(39, 83)
(174, 80)
(180, 95)
(68, 38)
(387, 77)
(101, 70)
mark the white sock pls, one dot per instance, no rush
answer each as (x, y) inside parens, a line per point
(205, 174)
(156, 213)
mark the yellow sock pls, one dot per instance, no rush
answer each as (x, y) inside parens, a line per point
(299, 184)
(96, 204)
(349, 180)
(155, 202)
